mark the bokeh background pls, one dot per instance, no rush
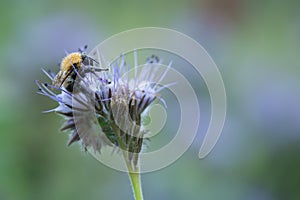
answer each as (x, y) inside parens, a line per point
(256, 46)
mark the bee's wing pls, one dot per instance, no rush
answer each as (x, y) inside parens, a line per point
(61, 78)
(57, 80)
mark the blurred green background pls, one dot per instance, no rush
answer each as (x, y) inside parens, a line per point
(256, 46)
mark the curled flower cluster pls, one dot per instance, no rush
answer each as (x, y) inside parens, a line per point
(106, 108)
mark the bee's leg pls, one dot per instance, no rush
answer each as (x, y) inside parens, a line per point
(94, 69)
(90, 61)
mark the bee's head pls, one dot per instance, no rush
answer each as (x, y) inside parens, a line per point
(82, 50)
(83, 55)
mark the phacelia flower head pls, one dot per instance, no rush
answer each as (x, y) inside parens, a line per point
(105, 107)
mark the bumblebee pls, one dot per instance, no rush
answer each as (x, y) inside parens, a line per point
(72, 65)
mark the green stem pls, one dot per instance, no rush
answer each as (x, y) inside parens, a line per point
(133, 171)
(135, 179)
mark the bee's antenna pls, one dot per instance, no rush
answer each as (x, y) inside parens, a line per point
(83, 49)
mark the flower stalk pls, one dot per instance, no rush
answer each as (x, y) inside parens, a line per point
(133, 169)
(135, 179)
